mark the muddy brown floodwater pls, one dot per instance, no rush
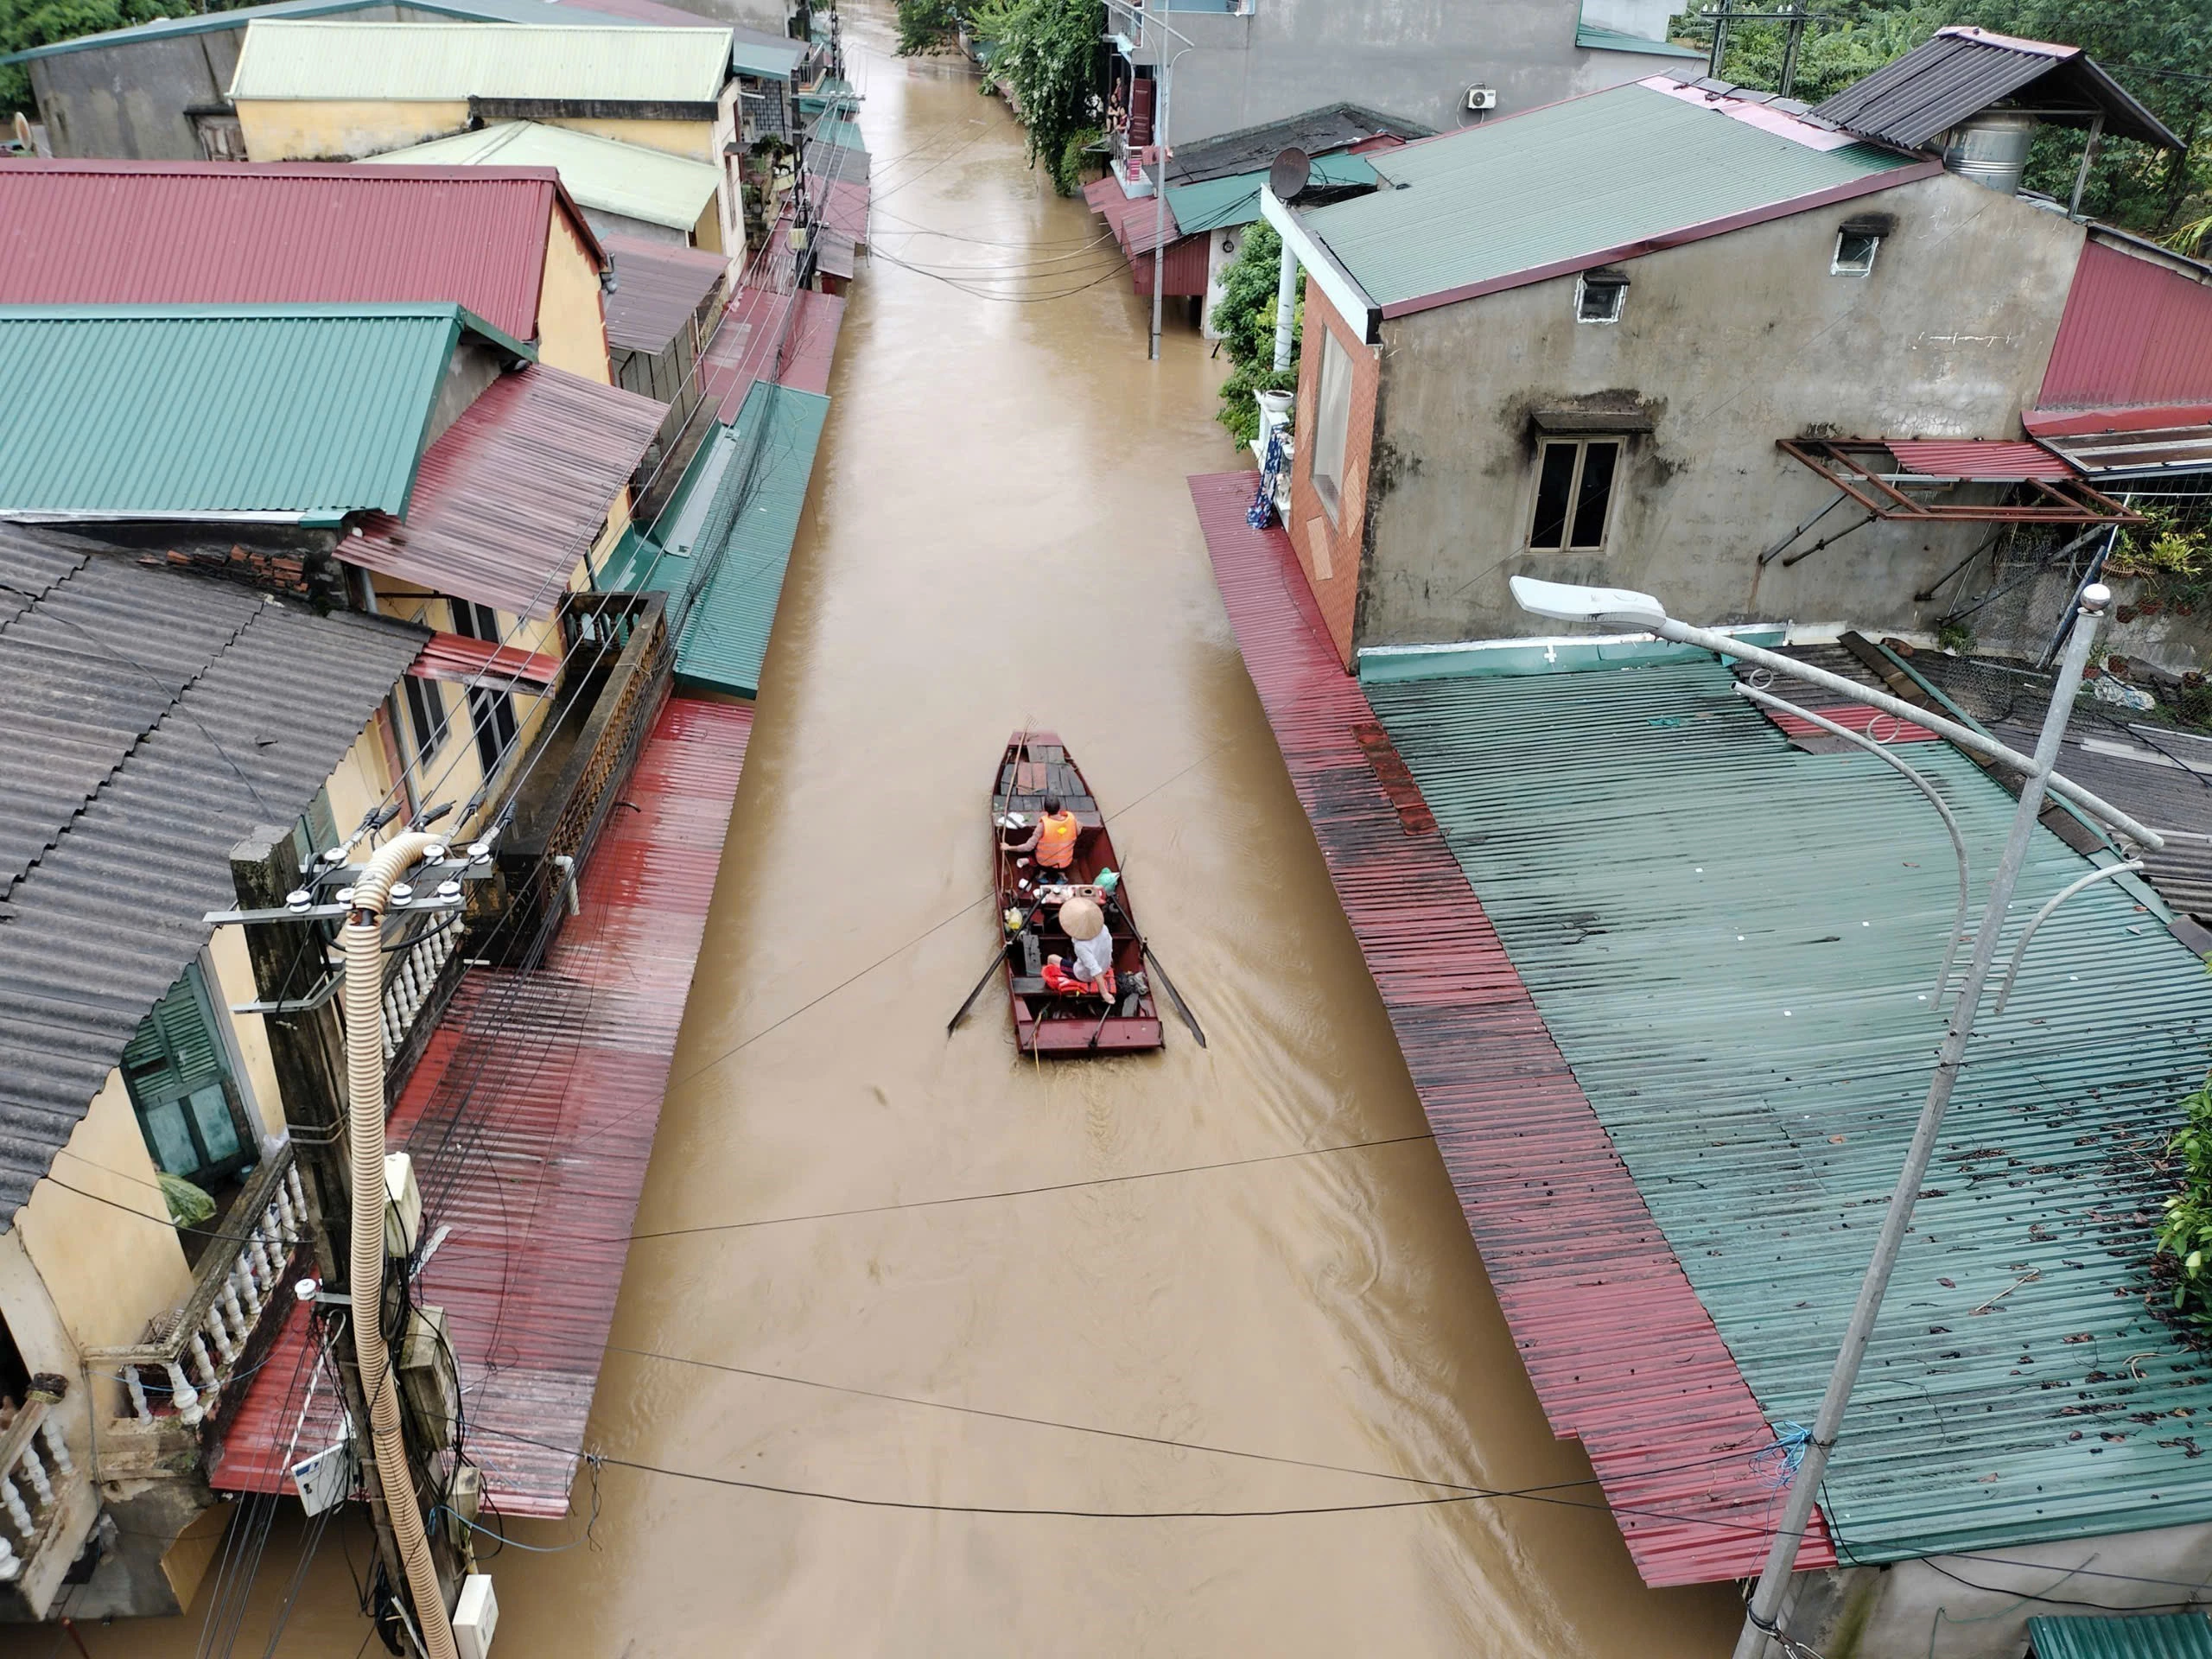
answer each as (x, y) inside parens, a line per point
(1223, 1279)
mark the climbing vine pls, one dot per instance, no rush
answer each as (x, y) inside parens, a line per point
(1044, 53)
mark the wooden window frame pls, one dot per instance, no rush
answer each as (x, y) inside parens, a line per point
(1617, 441)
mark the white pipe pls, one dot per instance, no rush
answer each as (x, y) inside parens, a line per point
(362, 940)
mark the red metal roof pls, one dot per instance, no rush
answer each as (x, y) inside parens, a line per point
(1863, 718)
(506, 668)
(2132, 332)
(1986, 460)
(211, 232)
(1622, 1355)
(539, 1177)
(844, 205)
(657, 286)
(511, 496)
(752, 333)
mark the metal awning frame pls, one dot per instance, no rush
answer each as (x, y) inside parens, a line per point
(1878, 485)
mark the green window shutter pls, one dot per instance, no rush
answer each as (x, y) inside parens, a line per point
(177, 1048)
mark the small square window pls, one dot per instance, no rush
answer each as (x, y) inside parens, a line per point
(1598, 298)
(1854, 253)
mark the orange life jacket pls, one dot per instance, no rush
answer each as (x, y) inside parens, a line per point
(1056, 840)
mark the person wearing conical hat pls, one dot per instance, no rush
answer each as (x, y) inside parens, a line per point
(1084, 924)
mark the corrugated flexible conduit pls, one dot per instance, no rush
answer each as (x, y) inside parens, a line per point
(361, 939)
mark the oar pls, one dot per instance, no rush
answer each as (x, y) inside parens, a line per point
(1174, 995)
(997, 963)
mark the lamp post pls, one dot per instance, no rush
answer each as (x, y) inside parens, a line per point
(1640, 611)
(1159, 145)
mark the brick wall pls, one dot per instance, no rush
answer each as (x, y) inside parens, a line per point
(1328, 548)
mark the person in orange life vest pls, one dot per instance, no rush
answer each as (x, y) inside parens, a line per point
(1054, 838)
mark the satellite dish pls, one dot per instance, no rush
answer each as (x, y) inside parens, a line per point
(1288, 175)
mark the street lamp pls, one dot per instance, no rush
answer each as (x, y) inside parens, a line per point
(1621, 607)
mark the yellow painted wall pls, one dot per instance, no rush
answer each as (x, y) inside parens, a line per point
(708, 233)
(695, 139)
(111, 1262)
(362, 780)
(300, 130)
(571, 307)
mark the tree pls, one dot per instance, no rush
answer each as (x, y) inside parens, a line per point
(1245, 319)
(27, 23)
(1046, 54)
(926, 25)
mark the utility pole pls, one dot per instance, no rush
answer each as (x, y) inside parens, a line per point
(1159, 150)
(308, 1053)
(1762, 1619)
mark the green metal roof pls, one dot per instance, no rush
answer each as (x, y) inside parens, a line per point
(1734, 943)
(213, 411)
(768, 453)
(1571, 185)
(834, 130)
(602, 172)
(489, 11)
(1235, 200)
(765, 61)
(451, 62)
(1611, 40)
(2150, 1635)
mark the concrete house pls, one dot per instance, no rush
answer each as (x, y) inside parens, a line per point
(1769, 363)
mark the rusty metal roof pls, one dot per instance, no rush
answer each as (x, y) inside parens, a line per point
(1915, 99)
(470, 662)
(148, 718)
(512, 494)
(1981, 460)
(542, 1180)
(211, 232)
(659, 287)
(1622, 1356)
(2133, 332)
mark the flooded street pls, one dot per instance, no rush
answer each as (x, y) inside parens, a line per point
(919, 1277)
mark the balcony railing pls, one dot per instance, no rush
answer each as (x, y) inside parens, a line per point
(46, 1507)
(183, 1368)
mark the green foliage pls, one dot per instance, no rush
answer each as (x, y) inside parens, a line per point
(2185, 1234)
(927, 26)
(1067, 170)
(1046, 54)
(2157, 48)
(1953, 634)
(2163, 548)
(26, 23)
(1245, 318)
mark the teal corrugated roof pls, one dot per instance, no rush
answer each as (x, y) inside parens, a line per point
(132, 412)
(769, 454)
(1521, 198)
(2150, 1635)
(603, 173)
(1611, 40)
(1733, 943)
(452, 62)
(832, 129)
(1236, 199)
(765, 61)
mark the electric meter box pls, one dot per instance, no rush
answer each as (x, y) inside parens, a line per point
(475, 1615)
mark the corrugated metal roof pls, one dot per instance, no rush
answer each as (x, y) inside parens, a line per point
(2132, 332)
(658, 287)
(2137, 452)
(1573, 185)
(541, 1184)
(833, 130)
(512, 494)
(451, 62)
(207, 411)
(1331, 127)
(768, 457)
(1962, 71)
(844, 204)
(838, 161)
(1734, 942)
(1611, 40)
(1620, 1353)
(604, 173)
(148, 719)
(1235, 200)
(207, 233)
(2146, 1636)
(767, 59)
(457, 657)
(612, 13)
(1986, 460)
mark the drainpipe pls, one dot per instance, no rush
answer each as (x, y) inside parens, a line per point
(1286, 305)
(361, 939)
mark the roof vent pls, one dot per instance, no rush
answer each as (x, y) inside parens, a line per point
(1991, 149)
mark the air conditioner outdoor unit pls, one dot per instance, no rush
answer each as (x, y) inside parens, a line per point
(1482, 98)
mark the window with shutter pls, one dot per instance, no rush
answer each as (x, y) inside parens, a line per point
(178, 1076)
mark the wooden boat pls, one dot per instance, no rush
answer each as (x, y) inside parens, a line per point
(1046, 1023)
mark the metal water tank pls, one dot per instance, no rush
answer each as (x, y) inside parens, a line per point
(1991, 149)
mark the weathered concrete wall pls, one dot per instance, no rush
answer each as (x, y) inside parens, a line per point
(1912, 1607)
(696, 140)
(1727, 343)
(571, 311)
(1410, 57)
(302, 129)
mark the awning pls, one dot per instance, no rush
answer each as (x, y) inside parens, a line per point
(1878, 475)
(500, 668)
(2169, 438)
(510, 497)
